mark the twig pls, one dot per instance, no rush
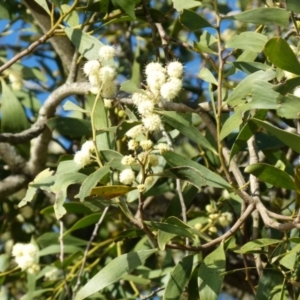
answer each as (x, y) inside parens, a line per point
(164, 42)
(254, 189)
(61, 256)
(153, 29)
(178, 183)
(88, 246)
(12, 184)
(153, 293)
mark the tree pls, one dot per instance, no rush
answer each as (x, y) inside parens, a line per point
(149, 149)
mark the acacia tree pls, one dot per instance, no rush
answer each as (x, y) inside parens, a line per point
(149, 148)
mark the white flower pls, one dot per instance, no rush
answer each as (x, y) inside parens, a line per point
(107, 74)
(107, 103)
(171, 89)
(134, 131)
(146, 144)
(141, 188)
(146, 108)
(213, 229)
(91, 67)
(138, 98)
(109, 89)
(34, 268)
(26, 256)
(106, 52)
(127, 160)
(152, 122)
(154, 67)
(155, 80)
(297, 92)
(162, 147)
(198, 226)
(88, 147)
(82, 158)
(209, 208)
(225, 219)
(53, 274)
(127, 176)
(94, 80)
(132, 145)
(175, 69)
(153, 160)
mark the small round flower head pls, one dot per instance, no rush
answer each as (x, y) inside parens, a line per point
(297, 92)
(225, 219)
(171, 89)
(213, 229)
(33, 269)
(155, 80)
(107, 103)
(146, 144)
(152, 122)
(30, 249)
(162, 147)
(175, 69)
(154, 67)
(25, 255)
(95, 80)
(146, 108)
(88, 147)
(94, 89)
(198, 226)
(127, 176)
(141, 188)
(139, 98)
(106, 52)
(109, 89)
(53, 274)
(153, 160)
(18, 250)
(24, 262)
(127, 160)
(213, 216)
(132, 145)
(82, 159)
(91, 67)
(149, 180)
(134, 131)
(107, 73)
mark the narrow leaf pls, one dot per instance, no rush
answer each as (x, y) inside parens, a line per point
(113, 272)
(193, 21)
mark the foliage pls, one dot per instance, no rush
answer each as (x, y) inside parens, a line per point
(150, 149)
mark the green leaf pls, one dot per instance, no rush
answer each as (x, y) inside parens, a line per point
(60, 189)
(128, 6)
(248, 41)
(193, 21)
(244, 88)
(44, 5)
(42, 181)
(246, 132)
(272, 175)
(293, 5)
(84, 222)
(281, 55)
(130, 87)
(257, 245)
(91, 181)
(179, 122)
(268, 283)
(232, 123)
(211, 178)
(250, 67)
(86, 44)
(263, 16)
(13, 115)
(113, 272)
(289, 259)
(206, 75)
(288, 86)
(111, 191)
(288, 107)
(179, 278)
(72, 106)
(290, 139)
(54, 249)
(180, 5)
(72, 19)
(66, 125)
(210, 278)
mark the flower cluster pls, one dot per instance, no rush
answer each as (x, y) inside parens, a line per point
(84, 156)
(101, 72)
(26, 257)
